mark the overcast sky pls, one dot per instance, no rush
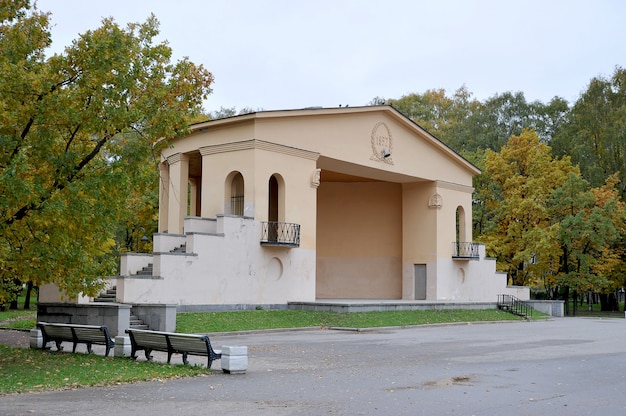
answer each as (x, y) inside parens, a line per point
(285, 54)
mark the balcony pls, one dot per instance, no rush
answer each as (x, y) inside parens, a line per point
(465, 251)
(282, 234)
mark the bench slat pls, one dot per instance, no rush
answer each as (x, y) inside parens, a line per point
(77, 334)
(171, 343)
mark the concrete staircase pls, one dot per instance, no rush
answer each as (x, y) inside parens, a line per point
(110, 296)
(145, 271)
(136, 322)
(180, 249)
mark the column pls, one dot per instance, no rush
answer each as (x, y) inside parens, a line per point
(212, 192)
(193, 197)
(178, 188)
(164, 187)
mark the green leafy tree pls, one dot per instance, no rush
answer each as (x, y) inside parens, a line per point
(594, 134)
(70, 127)
(589, 225)
(437, 112)
(495, 120)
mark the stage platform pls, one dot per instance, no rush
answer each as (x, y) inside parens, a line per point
(378, 305)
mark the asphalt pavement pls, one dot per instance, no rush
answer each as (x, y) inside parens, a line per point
(564, 366)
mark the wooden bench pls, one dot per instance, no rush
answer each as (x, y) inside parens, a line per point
(171, 342)
(77, 334)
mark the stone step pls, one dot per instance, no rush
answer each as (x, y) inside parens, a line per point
(180, 249)
(109, 296)
(136, 322)
(145, 271)
(110, 300)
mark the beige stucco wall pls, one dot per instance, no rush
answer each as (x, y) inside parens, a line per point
(419, 236)
(226, 267)
(359, 240)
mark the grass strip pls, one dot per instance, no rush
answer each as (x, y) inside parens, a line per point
(18, 319)
(205, 322)
(28, 370)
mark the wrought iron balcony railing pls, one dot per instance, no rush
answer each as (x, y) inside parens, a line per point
(465, 250)
(280, 234)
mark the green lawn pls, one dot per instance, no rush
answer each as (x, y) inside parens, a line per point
(24, 370)
(202, 322)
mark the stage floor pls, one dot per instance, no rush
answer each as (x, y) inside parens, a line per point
(384, 305)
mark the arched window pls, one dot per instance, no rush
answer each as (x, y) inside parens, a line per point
(272, 214)
(460, 224)
(236, 193)
(275, 206)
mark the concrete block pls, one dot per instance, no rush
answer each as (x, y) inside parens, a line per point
(36, 339)
(234, 359)
(122, 346)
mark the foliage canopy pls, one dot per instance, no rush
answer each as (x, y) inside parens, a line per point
(72, 127)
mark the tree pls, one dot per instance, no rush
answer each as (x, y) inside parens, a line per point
(594, 134)
(495, 120)
(517, 185)
(590, 221)
(229, 112)
(69, 127)
(468, 125)
(438, 113)
(546, 225)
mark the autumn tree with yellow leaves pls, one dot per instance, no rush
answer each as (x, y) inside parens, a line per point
(73, 126)
(546, 226)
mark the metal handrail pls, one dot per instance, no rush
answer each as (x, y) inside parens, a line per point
(465, 250)
(515, 306)
(280, 233)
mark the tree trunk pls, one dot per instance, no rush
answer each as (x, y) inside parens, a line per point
(613, 305)
(566, 299)
(29, 290)
(604, 302)
(16, 293)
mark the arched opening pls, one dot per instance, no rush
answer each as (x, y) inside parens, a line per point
(275, 230)
(460, 224)
(236, 194)
(272, 214)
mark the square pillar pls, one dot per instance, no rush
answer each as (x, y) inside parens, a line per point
(36, 338)
(122, 347)
(164, 191)
(178, 187)
(193, 197)
(234, 359)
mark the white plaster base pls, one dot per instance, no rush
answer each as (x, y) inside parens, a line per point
(234, 359)
(122, 346)
(36, 339)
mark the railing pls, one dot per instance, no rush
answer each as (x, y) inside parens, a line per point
(465, 250)
(280, 234)
(236, 205)
(515, 306)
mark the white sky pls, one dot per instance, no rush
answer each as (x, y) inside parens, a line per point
(284, 54)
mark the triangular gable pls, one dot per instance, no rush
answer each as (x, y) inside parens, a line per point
(354, 137)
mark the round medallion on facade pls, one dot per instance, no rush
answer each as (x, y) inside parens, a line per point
(382, 143)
